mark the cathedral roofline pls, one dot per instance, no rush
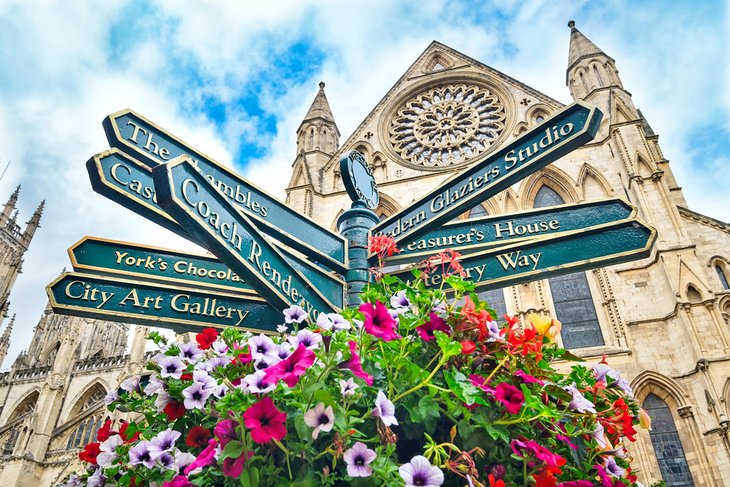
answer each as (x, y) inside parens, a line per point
(707, 220)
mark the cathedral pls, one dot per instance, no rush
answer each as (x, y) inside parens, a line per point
(663, 321)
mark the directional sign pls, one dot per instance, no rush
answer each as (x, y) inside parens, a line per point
(137, 136)
(205, 212)
(154, 304)
(129, 182)
(103, 256)
(589, 248)
(483, 232)
(557, 136)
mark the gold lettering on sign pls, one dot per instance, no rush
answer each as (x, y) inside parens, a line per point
(509, 229)
(513, 260)
(86, 292)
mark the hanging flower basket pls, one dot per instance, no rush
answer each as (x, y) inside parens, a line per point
(415, 386)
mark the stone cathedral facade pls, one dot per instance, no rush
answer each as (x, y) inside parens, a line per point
(663, 321)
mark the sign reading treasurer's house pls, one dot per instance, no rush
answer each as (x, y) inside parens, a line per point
(268, 257)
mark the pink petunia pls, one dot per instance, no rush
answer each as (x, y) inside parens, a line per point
(481, 382)
(233, 467)
(355, 365)
(378, 322)
(435, 322)
(265, 421)
(178, 481)
(511, 397)
(226, 431)
(291, 368)
(527, 378)
(206, 457)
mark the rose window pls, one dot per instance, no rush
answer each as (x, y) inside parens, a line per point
(447, 125)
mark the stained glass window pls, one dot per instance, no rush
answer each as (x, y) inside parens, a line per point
(723, 278)
(667, 445)
(571, 296)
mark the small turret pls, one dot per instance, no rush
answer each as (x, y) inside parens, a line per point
(33, 224)
(589, 68)
(318, 131)
(5, 339)
(10, 206)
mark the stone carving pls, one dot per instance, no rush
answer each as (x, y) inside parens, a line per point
(448, 125)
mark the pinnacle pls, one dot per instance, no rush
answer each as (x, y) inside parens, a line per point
(581, 46)
(320, 108)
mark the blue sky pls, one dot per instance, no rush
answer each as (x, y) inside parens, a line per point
(234, 79)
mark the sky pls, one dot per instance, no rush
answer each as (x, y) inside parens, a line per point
(234, 79)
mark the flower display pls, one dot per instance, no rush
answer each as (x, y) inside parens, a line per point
(413, 386)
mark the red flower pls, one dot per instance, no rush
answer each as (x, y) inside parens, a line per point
(496, 483)
(378, 322)
(90, 452)
(174, 410)
(265, 421)
(198, 437)
(355, 365)
(105, 431)
(545, 478)
(525, 342)
(475, 320)
(291, 368)
(123, 433)
(186, 376)
(434, 323)
(383, 245)
(621, 423)
(206, 337)
(468, 347)
(510, 396)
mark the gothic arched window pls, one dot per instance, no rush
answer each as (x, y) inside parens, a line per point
(87, 427)
(572, 296)
(598, 75)
(478, 210)
(667, 445)
(21, 414)
(722, 276)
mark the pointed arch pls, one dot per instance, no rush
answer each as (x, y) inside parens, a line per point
(387, 206)
(555, 179)
(721, 270)
(333, 227)
(537, 114)
(693, 294)
(25, 405)
(621, 112)
(49, 355)
(590, 181)
(651, 382)
(643, 167)
(88, 413)
(366, 149)
(520, 129)
(91, 396)
(510, 201)
(437, 61)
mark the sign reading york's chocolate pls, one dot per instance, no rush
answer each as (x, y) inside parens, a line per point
(152, 145)
(557, 136)
(140, 302)
(203, 211)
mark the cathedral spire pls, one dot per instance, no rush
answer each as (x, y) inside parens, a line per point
(318, 130)
(589, 68)
(10, 205)
(33, 223)
(5, 339)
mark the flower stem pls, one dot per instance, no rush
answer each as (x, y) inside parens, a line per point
(424, 382)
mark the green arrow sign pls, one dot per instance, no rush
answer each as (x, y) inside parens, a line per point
(481, 233)
(589, 248)
(129, 182)
(189, 197)
(137, 136)
(557, 136)
(103, 256)
(158, 304)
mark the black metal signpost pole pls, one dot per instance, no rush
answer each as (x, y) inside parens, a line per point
(355, 224)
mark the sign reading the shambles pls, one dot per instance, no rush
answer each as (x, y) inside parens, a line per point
(203, 211)
(153, 304)
(152, 145)
(557, 136)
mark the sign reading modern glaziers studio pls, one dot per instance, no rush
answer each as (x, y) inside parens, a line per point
(253, 278)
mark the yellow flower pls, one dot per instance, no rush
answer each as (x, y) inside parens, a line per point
(644, 419)
(545, 325)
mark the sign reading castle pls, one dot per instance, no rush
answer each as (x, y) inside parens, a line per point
(269, 257)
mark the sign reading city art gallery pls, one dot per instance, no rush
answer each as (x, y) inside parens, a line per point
(488, 231)
(128, 182)
(137, 136)
(557, 136)
(188, 196)
(153, 304)
(566, 252)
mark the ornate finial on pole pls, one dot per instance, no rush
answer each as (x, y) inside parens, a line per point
(355, 223)
(321, 85)
(571, 23)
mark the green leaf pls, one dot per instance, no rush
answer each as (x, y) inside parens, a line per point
(448, 346)
(233, 449)
(428, 410)
(462, 387)
(566, 355)
(558, 392)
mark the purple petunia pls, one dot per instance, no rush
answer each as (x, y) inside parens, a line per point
(320, 418)
(165, 460)
(190, 352)
(358, 460)
(255, 383)
(347, 387)
(579, 402)
(613, 468)
(195, 396)
(307, 338)
(131, 384)
(170, 367)
(219, 347)
(201, 377)
(163, 442)
(385, 410)
(420, 472)
(603, 371)
(399, 302)
(263, 349)
(294, 314)
(332, 321)
(140, 454)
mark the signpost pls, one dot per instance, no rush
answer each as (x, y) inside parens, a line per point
(597, 246)
(153, 304)
(490, 231)
(557, 136)
(253, 279)
(129, 183)
(135, 135)
(203, 211)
